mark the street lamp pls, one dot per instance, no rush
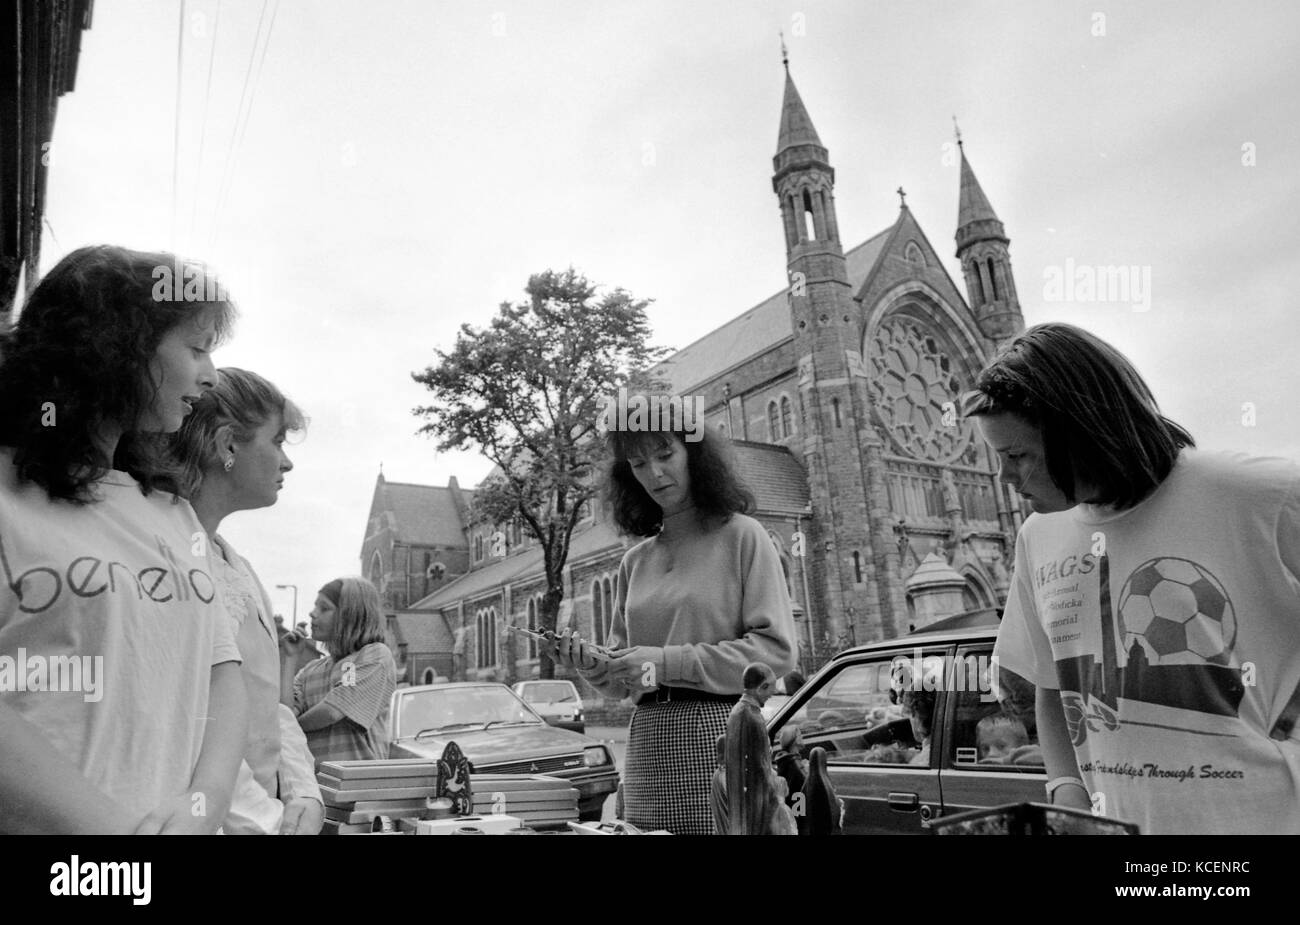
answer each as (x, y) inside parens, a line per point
(294, 624)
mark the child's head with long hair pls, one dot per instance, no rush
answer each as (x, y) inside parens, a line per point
(82, 363)
(1099, 423)
(353, 619)
(716, 491)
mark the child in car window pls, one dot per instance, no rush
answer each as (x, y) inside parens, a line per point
(998, 736)
(789, 761)
(918, 706)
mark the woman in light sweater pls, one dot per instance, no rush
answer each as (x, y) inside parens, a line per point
(698, 600)
(232, 458)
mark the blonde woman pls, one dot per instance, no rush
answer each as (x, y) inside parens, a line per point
(341, 700)
(232, 458)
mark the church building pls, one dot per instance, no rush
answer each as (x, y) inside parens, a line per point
(840, 393)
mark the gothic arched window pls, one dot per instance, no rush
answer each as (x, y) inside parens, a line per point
(773, 422)
(608, 588)
(485, 626)
(478, 639)
(809, 224)
(787, 417)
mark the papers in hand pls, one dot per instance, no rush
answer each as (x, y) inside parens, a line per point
(600, 653)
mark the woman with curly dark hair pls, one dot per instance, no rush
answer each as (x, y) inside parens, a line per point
(107, 597)
(698, 600)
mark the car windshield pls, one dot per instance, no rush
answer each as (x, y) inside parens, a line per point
(557, 692)
(461, 707)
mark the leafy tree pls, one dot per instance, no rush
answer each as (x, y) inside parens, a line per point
(528, 392)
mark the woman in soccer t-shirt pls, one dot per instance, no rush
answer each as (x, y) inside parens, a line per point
(1154, 600)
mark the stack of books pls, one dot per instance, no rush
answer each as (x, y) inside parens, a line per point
(355, 792)
(537, 800)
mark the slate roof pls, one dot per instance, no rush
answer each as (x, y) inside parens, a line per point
(586, 540)
(757, 330)
(423, 632)
(426, 515)
(776, 477)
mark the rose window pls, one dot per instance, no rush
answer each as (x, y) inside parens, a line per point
(914, 388)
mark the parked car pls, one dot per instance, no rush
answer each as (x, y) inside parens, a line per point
(499, 734)
(556, 701)
(979, 753)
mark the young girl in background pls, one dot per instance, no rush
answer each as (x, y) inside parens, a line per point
(341, 700)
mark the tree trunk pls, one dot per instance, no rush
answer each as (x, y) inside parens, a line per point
(547, 618)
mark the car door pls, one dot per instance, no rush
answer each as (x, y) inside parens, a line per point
(989, 750)
(875, 765)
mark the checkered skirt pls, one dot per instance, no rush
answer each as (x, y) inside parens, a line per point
(671, 754)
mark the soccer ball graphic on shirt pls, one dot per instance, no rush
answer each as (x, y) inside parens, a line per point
(1177, 613)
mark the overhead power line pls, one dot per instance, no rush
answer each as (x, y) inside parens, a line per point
(176, 122)
(203, 123)
(244, 112)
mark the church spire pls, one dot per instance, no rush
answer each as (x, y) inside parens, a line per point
(976, 220)
(982, 248)
(796, 124)
(804, 180)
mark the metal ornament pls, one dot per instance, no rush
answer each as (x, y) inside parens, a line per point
(453, 780)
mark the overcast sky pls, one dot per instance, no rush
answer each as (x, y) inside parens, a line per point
(407, 165)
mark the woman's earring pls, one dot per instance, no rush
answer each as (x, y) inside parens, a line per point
(229, 463)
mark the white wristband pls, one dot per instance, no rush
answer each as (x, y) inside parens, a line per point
(1057, 782)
